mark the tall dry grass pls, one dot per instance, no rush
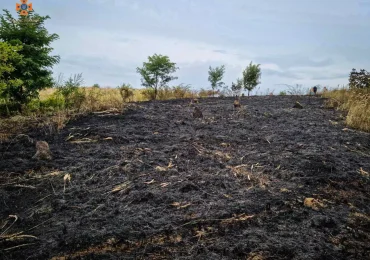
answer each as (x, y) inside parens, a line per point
(354, 101)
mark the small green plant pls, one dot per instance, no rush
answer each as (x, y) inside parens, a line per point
(71, 91)
(282, 93)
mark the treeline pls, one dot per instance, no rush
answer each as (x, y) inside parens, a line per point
(26, 69)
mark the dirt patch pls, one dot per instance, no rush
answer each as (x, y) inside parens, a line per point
(264, 181)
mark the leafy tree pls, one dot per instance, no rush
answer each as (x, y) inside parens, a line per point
(34, 68)
(8, 56)
(156, 73)
(359, 79)
(251, 76)
(96, 85)
(215, 76)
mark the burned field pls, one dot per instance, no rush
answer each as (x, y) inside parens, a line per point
(266, 181)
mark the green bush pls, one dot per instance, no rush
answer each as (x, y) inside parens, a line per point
(34, 68)
(71, 90)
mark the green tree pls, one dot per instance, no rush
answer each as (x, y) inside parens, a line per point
(215, 76)
(156, 73)
(251, 76)
(34, 68)
(8, 56)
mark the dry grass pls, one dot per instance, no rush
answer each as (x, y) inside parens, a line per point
(356, 102)
(13, 126)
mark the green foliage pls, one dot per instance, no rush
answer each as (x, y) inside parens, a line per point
(215, 76)
(96, 85)
(282, 93)
(251, 76)
(34, 67)
(156, 73)
(8, 57)
(237, 87)
(359, 80)
(70, 89)
(53, 103)
(126, 92)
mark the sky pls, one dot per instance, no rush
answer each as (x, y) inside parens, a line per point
(306, 42)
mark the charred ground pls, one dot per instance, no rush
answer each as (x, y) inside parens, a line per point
(155, 183)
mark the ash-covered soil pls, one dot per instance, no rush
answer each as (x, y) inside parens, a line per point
(155, 183)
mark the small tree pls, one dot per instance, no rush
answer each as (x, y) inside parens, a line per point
(71, 91)
(156, 73)
(34, 68)
(237, 87)
(215, 76)
(251, 76)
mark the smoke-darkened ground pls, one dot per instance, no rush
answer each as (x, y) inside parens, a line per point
(154, 183)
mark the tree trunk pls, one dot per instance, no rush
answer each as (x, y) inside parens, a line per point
(248, 93)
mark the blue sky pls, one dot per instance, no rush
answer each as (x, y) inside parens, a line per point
(296, 42)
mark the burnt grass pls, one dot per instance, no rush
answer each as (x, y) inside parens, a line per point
(155, 183)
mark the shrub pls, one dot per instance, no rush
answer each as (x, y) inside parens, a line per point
(181, 91)
(92, 97)
(359, 79)
(355, 102)
(282, 93)
(73, 95)
(149, 93)
(126, 92)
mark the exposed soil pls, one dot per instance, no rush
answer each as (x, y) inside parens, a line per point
(156, 183)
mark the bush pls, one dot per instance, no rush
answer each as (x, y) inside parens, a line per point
(73, 95)
(92, 97)
(149, 93)
(181, 91)
(282, 93)
(165, 93)
(359, 79)
(126, 92)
